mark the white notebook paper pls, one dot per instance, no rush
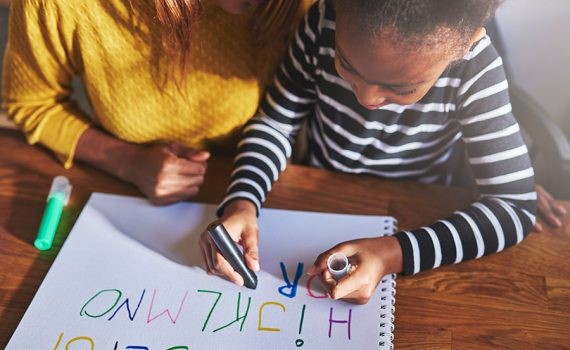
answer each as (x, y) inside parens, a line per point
(129, 276)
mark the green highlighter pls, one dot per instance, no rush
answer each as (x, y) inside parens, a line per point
(57, 199)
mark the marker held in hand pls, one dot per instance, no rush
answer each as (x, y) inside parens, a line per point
(231, 253)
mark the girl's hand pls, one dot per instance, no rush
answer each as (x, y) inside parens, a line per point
(549, 210)
(370, 259)
(240, 220)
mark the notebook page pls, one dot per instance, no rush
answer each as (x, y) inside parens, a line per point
(130, 276)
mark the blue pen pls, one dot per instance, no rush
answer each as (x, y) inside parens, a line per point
(57, 199)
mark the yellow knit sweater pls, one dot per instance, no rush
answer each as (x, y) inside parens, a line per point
(112, 45)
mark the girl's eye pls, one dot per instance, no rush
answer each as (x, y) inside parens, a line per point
(348, 68)
(405, 93)
(344, 64)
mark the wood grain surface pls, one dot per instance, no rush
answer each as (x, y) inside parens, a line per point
(518, 299)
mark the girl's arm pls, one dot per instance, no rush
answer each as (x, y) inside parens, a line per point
(504, 177)
(265, 148)
(267, 139)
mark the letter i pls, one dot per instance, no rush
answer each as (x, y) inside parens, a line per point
(300, 342)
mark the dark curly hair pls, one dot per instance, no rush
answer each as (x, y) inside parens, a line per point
(414, 23)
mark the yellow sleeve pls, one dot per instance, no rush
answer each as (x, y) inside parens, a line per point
(39, 65)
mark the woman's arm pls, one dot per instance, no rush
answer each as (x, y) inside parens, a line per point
(41, 60)
(164, 173)
(39, 65)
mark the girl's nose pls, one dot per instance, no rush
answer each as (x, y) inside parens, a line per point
(370, 96)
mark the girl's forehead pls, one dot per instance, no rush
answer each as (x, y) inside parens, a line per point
(381, 58)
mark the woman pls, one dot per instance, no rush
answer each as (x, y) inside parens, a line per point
(168, 81)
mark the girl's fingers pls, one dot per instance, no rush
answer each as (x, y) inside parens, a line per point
(206, 260)
(320, 263)
(350, 284)
(221, 267)
(249, 242)
(559, 209)
(207, 256)
(548, 208)
(225, 269)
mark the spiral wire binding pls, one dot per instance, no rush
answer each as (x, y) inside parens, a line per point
(389, 281)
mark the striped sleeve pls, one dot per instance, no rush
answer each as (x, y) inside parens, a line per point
(266, 142)
(505, 211)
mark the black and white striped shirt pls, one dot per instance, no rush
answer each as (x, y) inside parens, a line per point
(467, 107)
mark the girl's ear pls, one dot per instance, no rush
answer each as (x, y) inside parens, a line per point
(478, 35)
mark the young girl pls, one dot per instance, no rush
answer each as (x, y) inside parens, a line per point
(166, 80)
(392, 88)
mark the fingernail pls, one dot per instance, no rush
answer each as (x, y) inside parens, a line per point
(256, 266)
(311, 271)
(557, 223)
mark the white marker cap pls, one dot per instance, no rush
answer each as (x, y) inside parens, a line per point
(338, 265)
(60, 186)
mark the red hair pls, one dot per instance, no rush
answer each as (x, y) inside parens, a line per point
(176, 18)
(270, 22)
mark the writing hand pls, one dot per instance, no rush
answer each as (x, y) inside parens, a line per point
(240, 220)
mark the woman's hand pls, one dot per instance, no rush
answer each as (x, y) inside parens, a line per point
(164, 173)
(549, 210)
(240, 220)
(167, 173)
(370, 259)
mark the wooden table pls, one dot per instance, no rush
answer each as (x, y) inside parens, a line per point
(518, 299)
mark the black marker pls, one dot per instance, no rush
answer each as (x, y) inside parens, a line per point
(231, 252)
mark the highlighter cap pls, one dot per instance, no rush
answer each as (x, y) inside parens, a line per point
(60, 187)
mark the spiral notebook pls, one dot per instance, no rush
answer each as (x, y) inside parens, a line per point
(129, 276)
